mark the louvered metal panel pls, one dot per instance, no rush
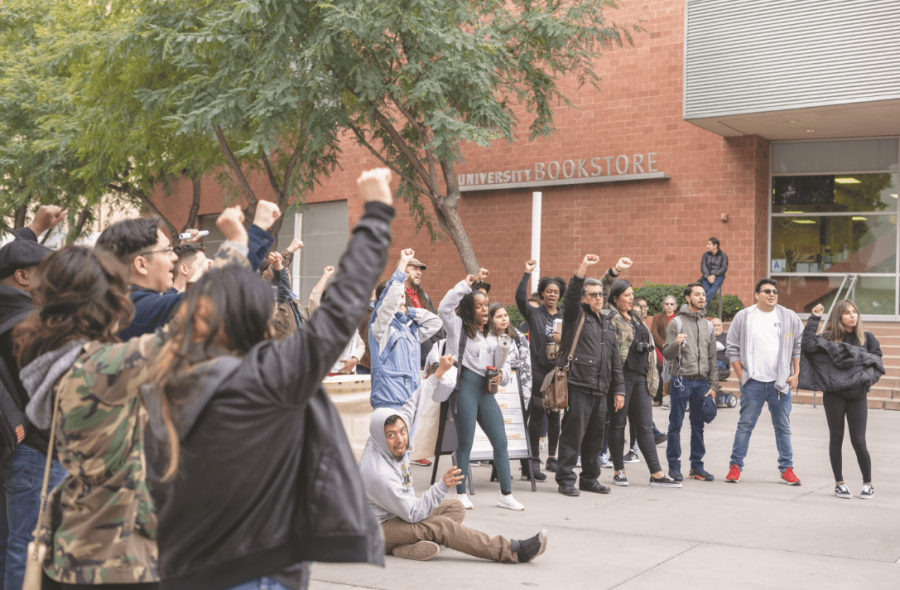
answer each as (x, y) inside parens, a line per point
(754, 56)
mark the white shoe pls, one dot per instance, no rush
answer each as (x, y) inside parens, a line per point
(509, 502)
(464, 499)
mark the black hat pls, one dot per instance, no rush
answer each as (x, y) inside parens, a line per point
(709, 408)
(21, 254)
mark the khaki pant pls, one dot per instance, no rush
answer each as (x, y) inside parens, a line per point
(444, 528)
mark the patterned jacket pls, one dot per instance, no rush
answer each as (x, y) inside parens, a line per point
(625, 331)
(100, 524)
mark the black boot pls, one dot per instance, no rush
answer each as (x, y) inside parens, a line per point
(528, 549)
(535, 465)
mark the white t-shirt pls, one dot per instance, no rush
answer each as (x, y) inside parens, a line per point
(764, 338)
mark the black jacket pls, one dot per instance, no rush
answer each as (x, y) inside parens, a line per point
(16, 302)
(538, 318)
(596, 365)
(714, 264)
(267, 478)
(845, 368)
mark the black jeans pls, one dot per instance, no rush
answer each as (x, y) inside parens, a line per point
(857, 412)
(536, 414)
(638, 409)
(582, 432)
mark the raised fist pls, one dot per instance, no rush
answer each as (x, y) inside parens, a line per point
(590, 260)
(295, 245)
(231, 224)
(329, 270)
(275, 259)
(407, 255)
(266, 214)
(818, 310)
(47, 217)
(623, 264)
(530, 265)
(375, 186)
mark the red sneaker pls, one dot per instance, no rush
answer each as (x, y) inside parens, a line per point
(788, 477)
(734, 474)
(422, 463)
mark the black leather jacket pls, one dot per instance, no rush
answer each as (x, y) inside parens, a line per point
(267, 478)
(596, 365)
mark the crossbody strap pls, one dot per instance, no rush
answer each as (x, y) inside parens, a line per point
(575, 341)
(50, 446)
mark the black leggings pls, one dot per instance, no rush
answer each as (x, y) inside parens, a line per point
(638, 409)
(140, 586)
(856, 411)
(536, 414)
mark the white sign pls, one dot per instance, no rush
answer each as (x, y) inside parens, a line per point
(779, 264)
(510, 402)
(578, 171)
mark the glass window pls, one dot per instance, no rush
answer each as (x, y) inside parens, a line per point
(828, 156)
(842, 193)
(836, 244)
(874, 295)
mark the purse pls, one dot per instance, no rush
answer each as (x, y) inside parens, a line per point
(37, 550)
(555, 387)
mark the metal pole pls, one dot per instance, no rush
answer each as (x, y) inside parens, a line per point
(536, 198)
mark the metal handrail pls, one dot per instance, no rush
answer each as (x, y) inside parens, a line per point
(851, 294)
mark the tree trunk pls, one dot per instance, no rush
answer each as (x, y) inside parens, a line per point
(80, 222)
(450, 222)
(195, 203)
(19, 220)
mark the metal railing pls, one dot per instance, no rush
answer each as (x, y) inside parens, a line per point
(849, 281)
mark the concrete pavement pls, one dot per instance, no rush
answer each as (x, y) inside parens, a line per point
(756, 534)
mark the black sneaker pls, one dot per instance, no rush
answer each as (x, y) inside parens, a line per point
(867, 492)
(660, 438)
(619, 479)
(538, 474)
(701, 475)
(842, 491)
(594, 486)
(552, 464)
(567, 490)
(676, 475)
(664, 482)
(528, 549)
(631, 457)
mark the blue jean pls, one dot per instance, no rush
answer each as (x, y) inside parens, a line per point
(360, 370)
(755, 394)
(264, 583)
(692, 390)
(711, 288)
(21, 479)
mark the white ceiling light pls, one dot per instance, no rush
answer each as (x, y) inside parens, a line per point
(847, 180)
(804, 221)
(858, 218)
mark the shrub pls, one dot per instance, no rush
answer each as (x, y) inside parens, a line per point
(515, 317)
(655, 293)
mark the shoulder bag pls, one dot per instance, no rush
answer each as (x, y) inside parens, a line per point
(555, 388)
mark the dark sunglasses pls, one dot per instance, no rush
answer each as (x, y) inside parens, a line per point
(769, 291)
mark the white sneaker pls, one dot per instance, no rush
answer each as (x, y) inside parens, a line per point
(464, 499)
(842, 491)
(867, 492)
(509, 502)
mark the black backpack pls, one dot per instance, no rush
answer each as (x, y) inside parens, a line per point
(11, 417)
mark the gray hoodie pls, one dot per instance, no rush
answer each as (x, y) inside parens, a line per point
(697, 356)
(387, 479)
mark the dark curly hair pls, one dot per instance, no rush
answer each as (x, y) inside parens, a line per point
(78, 293)
(544, 282)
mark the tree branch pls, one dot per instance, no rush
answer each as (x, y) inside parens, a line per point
(236, 168)
(139, 194)
(272, 180)
(407, 151)
(292, 163)
(195, 203)
(429, 156)
(393, 168)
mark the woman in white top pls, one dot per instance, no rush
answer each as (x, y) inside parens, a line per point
(465, 315)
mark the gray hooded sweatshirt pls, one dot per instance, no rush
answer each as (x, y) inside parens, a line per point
(697, 356)
(387, 479)
(790, 328)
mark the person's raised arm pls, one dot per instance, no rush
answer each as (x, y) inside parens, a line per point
(293, 369)
(808, 341)
(267, 213)
(448, 305)
(315, 296)
(391, 299)
(47, 217)
(522, 290)
(429, 323)
(610, 276)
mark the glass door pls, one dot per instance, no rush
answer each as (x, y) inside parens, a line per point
(834, 212)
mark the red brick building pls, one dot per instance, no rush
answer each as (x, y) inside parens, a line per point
(691, 132)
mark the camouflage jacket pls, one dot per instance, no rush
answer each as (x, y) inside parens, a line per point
(100, 524)
(625, 332)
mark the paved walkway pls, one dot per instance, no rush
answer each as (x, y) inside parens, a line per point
(755, 534)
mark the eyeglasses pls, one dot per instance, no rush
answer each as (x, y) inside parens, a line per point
(594, 295)
(669, 303)
(168, 250)
(769, 291)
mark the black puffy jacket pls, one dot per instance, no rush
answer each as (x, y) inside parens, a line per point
(845, 368)
(596, 364)
(266, 478)
(713, 264)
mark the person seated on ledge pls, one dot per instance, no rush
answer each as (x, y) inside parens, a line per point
(416, 528)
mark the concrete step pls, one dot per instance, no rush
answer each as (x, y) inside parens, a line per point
(878, 398)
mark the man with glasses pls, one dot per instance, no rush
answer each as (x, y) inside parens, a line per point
(763, 346)
(147, 252)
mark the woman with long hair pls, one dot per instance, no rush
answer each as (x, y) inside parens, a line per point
(466, 316)
(635, 348)
(520, 360)
(99, 526)
(850, 405)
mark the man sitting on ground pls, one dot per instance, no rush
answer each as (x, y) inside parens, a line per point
(415, 528)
